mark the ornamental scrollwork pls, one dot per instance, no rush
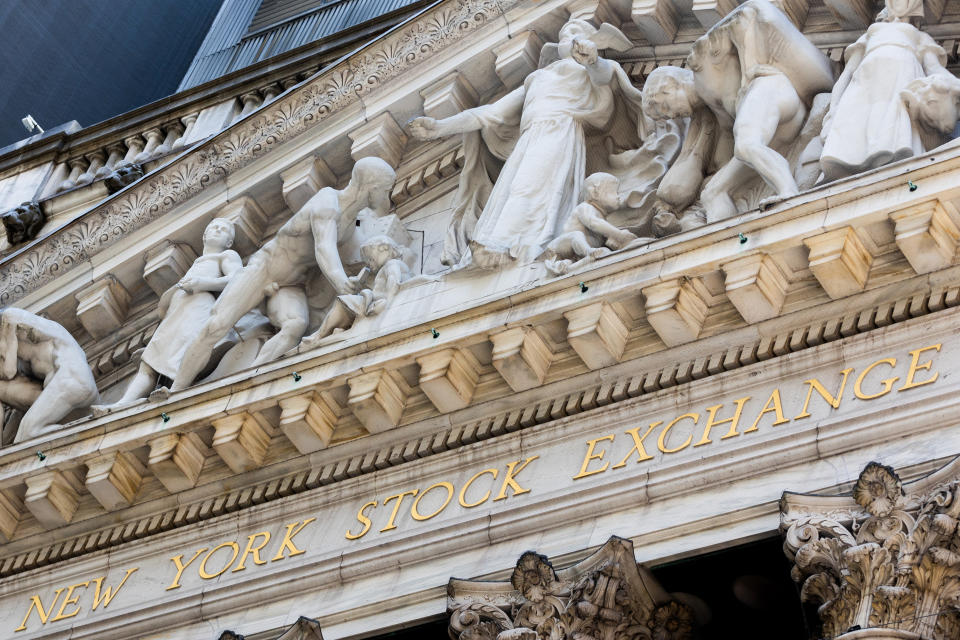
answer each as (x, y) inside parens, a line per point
(604, 597)
(893, 562)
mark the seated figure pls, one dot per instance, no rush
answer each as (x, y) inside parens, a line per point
(184, 308)
(382, 257)
(43, 372)
(752, 78)
(580, 239)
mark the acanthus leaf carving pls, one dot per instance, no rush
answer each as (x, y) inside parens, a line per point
(606, 596)
(891, 561)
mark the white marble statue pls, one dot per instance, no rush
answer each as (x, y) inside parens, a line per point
(586, 230)
(933, 103)
(278, 270)
(868, 125)
(539, 129)
(184, 308)
(385, 260)
(43, 372)
(752, 78)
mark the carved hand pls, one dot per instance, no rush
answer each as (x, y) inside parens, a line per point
(425, 128)
(584, 51)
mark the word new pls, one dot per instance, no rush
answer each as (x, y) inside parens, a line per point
(101, 595)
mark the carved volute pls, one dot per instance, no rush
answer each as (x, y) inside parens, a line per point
(881, 562)
(607, 596)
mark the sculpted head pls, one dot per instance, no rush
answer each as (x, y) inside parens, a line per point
(934, 102)
(219, 234)
(669, 93)
(602, 189)
(379, 250)
(374, 177)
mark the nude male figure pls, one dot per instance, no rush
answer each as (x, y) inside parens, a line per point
(57, 380)
(751, 80)
(279, 268)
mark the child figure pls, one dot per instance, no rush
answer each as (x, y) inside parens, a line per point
(587, 224)
(184, 308)
(383, 257)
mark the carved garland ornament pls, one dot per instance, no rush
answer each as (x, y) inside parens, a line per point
(605, 597)
(880, 559)
(239, 145)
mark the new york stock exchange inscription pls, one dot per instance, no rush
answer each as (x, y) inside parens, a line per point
(403, 507)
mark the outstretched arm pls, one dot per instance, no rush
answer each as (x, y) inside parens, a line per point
(323, 223)
(8, 347)
(505, 109)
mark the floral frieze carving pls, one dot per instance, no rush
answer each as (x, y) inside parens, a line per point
(882, 558)
(240, 144)
(607, 596)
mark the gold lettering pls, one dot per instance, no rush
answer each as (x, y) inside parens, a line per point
(592, 456)
(815, 384)
(908, 383)
(223, 545)
(399, 498)
(887, 383)
(35, 603)
(254, 550)
(362, 519)
(662, 440)
(638, 445)
(508, 479)
(178, 561)
(711, 422)
(109, 593)
(777, 408)
(415, 513)
(70, 599)
(486, 496)
(287, 544)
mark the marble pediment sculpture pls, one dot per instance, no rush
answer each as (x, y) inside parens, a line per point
(868, 124)
(184, 308)
(43, 373)
(539, 132)
(388, 264)
(751, 80)
(278, 271)
(587, 235)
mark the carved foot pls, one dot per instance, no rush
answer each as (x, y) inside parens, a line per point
(100, 410)
(161, 394)
(601, 252)
(766, 203)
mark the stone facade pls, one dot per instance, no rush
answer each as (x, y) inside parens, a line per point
(488, 322)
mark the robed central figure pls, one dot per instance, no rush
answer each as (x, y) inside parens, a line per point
(538, 129)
